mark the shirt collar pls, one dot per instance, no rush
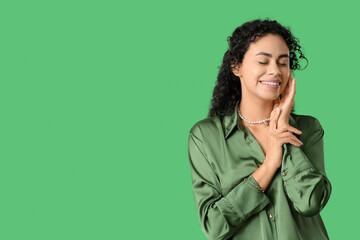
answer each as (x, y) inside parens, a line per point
(233, 120)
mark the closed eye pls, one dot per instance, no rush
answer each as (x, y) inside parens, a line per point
(282, 64)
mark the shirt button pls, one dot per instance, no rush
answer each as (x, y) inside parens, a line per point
(271, 215)
(284, 173)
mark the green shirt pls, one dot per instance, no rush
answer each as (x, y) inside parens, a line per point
(222, 152)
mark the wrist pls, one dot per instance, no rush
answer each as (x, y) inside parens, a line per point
(271, 165)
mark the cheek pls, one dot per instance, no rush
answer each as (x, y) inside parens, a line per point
(283, 86)
(252, 76)
(282, 90)
(285, 72)
(255, 74)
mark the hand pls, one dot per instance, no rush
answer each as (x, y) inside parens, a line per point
(287, 101)
(277, 136)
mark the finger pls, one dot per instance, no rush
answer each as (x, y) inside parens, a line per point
(295, 141)
(274, 119)
(289, 139)
(286, 90)
(276, 102)
(290, 84)
(293, 88)
(294, 130)
(288, 135)
(289, 128)
(295, 138)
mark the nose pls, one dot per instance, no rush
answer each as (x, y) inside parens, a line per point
(274, 69)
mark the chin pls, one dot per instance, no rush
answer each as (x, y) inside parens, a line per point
(270, 97)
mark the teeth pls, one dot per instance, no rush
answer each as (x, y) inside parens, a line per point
(271, 83)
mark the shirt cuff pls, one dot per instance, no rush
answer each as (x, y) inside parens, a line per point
(245, 200)
(294, 162)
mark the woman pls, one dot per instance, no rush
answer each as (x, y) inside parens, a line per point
(257, 167)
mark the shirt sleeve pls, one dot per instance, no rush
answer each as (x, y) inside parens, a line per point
(220, 216)
(303, 172)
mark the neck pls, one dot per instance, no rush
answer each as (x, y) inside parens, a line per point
(255, 110)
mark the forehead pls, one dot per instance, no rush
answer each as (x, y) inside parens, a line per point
(270, 43)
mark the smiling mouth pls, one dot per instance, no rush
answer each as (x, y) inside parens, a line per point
(271, 83)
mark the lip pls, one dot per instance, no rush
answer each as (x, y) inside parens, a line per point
(271, 80)
(270, 86)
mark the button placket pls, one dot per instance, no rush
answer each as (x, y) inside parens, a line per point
(271, 213)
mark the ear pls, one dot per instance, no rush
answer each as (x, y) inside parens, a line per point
(236, 69)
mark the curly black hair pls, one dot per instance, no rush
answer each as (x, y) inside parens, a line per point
(227, 90)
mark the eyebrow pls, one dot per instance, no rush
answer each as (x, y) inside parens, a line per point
(269, 55)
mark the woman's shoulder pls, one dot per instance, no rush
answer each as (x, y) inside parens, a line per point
(207, 125)
(306, 121)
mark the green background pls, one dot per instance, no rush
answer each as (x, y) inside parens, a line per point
(98, 97)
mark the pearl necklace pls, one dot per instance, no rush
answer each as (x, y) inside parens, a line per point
(265, 121)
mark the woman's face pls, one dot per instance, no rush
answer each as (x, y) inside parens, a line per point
(266, 60)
